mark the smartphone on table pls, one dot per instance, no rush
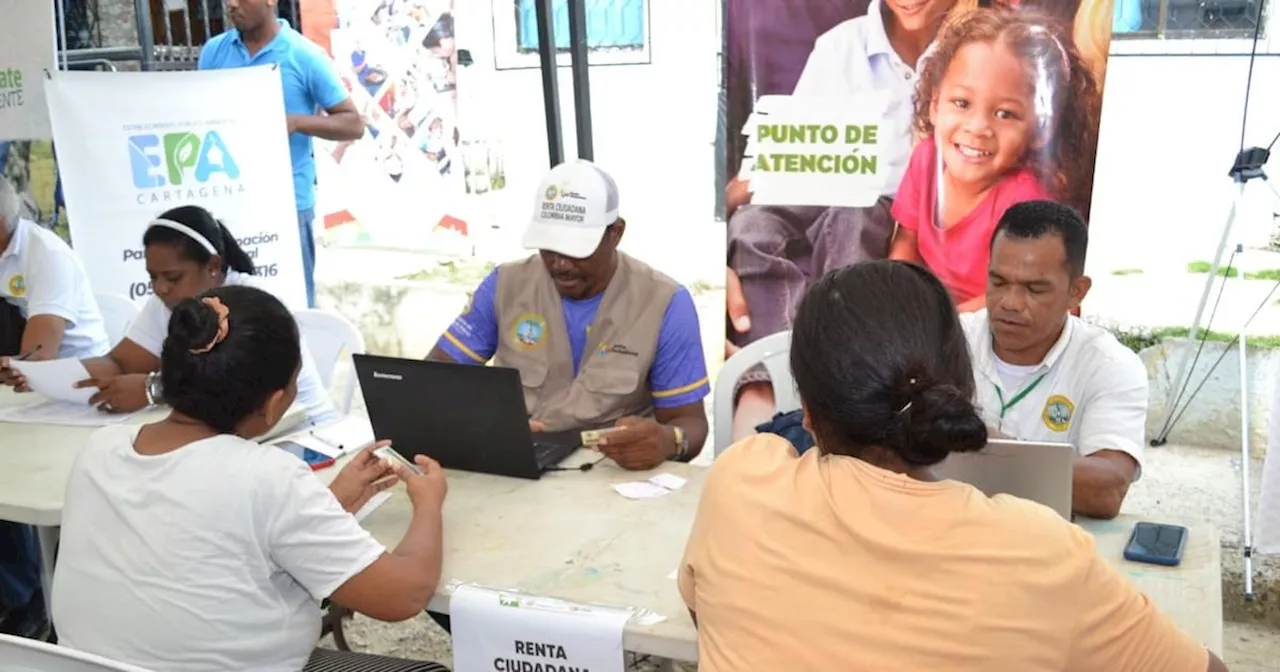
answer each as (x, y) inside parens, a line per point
(314, 458)
(1156, 544)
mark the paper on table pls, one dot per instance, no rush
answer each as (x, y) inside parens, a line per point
(351, 433)
(640, 490)
(53, 412)
(56, 379)
(668, 481)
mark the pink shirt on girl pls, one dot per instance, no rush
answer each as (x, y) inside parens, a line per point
(958, 255)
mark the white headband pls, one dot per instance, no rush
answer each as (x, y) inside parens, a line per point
(188, 231)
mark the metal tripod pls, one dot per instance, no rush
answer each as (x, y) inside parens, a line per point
(1248, 166)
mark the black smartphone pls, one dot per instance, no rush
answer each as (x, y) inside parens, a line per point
(1156, 544)
(314, 458)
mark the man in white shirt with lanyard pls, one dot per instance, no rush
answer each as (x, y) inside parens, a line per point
(46, 289)
(1045, 375)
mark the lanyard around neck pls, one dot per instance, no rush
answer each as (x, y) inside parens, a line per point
(1006, 405)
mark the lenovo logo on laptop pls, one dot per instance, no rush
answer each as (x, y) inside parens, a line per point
(387, 376)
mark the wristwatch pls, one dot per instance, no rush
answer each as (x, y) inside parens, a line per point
(154, 388)
(682, 445)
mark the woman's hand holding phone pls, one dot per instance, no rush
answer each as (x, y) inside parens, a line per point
(426, 488)
(362, 478)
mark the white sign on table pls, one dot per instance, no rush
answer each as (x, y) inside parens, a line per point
(803, 150)
(132, 145)
(509, 632)
(28, 47)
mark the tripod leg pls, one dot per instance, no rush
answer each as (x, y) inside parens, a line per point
(1178, 381)
(1245, 483)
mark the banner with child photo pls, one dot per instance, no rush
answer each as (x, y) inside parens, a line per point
(896, 129)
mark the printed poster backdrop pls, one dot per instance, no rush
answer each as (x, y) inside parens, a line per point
(164, 139)
(30, 49)
(836, 132)
(404, 183)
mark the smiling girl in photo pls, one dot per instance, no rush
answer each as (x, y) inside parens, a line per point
(1008, 111)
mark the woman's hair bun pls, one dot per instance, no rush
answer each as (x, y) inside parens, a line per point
(193, 324)
(940, 420)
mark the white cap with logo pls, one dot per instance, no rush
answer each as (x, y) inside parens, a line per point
(576, 202)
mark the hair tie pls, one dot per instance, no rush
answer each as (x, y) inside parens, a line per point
(224, 324)
(911, 385)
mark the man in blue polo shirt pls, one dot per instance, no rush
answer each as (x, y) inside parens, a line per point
(599, 337)
(311, 85)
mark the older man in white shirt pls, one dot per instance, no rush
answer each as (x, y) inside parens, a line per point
(1045, 375)
(50, 309)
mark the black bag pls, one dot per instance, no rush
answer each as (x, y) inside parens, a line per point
(12, 324)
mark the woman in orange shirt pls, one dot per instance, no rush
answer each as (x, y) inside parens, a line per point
(855, 557)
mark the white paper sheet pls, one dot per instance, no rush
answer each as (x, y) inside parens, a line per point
(510, 631)
(640, 490)
(56, 379)
(351, 433)
(668, 481)
(53, 412)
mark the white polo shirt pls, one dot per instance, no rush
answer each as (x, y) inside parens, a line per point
(855, 57)
(151, 327)
(42, 276)
(1090, 391)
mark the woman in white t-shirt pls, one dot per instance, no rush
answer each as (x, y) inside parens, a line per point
(187, 252)
(186, 547)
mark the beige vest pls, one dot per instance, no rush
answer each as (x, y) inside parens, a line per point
(613, 379)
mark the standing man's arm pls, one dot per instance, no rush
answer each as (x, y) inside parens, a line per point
(340, 120)
(473, 337)
(1113, 426)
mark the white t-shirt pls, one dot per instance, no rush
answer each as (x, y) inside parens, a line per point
(209, 558)
(151, 327)
(855, 57)
(42, 276)
(1090, 390)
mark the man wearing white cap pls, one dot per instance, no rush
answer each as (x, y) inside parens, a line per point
(600, 338)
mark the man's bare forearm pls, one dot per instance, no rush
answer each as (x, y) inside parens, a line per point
(1098, 486)
(339, 126)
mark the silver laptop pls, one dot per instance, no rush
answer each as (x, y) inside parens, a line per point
(1040, 472)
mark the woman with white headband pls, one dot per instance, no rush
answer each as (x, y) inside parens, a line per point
(187, 252)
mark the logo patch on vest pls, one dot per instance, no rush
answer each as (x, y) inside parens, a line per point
(552, 192)
(1057, 413)
(616, 349)
(17, 286)
(528, 331)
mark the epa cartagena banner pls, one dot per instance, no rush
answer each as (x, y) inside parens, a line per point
(29, 50)
(134, 144)
(846, 144)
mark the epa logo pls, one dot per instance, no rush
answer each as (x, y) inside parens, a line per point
(174, 159)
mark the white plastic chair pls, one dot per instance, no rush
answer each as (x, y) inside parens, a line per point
(329, 337)
(773, 352)
(118, 312)
(27, 655)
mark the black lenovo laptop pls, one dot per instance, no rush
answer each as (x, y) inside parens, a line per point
(465, 417)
